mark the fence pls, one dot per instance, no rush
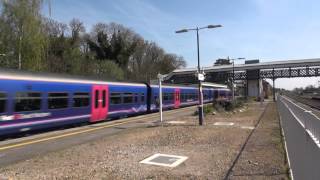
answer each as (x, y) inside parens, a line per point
(301, 129)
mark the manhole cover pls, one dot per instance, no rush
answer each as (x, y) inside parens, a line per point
(164, 160)
(224, 124)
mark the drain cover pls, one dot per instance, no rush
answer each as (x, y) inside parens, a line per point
(164, 160)
(224, 124)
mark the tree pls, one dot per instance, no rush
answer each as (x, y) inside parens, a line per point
(149, 59)
(108, 70)
(33, 42)
(26, 42)
(73, 55)
(56, 45)
(114, 42)
(76, 28)
(98, 42)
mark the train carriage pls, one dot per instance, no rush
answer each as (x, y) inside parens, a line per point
(38, 104)
(29, 102)
(170, 97)
(127, 99)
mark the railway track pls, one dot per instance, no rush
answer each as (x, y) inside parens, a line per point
(314, 103)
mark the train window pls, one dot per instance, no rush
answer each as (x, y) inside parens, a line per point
(205, 96)
(3, 100)
(216, 94)
(182, 96)
(142, 97)
(57, 100)
(115, 98)
(81, 99)
(191, 96)
(127, 98)
(104, 98)
(165, 97)
(170, 96)
(27, 101)
(136, 97)
(156, 100)
(96, 99)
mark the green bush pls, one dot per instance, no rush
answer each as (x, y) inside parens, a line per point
(229, 106)
(218, 106)
(207, 109)
(222, 106)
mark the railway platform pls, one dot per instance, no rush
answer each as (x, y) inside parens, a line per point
(113, 150)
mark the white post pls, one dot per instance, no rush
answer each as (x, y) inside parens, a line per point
(160, 96)
(232, 80)
(201, 96)
(261, 91)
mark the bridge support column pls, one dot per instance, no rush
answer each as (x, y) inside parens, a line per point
(253, 83)
(253, 88)
(274, 90)
(261, 91)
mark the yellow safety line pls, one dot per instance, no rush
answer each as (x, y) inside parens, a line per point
(74, 133)
(65, 135)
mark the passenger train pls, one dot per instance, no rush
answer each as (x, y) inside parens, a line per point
(30, 102)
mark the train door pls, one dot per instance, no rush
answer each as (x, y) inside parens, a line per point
(100, 104)
(177, 98)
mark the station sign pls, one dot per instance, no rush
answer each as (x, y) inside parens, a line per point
(201, 77)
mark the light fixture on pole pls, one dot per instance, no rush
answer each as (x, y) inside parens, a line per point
(233, 98)
(200, 96)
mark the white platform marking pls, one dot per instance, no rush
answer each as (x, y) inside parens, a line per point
(247, 127)
(176, 122)
(223, 123)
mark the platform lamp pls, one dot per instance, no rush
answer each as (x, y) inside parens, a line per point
(200, 76)
(233, 98)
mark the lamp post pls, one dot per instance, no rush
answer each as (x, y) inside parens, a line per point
(233, 98)
(200, 97)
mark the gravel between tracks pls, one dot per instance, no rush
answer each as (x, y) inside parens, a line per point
(211, 151)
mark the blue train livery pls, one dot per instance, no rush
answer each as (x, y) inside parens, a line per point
(29, 102)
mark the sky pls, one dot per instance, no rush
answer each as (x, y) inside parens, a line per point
(268, 30)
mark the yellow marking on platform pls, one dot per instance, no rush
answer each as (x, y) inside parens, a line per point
(64, 135)
(81, 132)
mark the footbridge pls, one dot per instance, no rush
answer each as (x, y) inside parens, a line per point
(252, 73)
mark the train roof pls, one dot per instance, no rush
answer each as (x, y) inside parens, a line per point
(50, 77)
(186, 86)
